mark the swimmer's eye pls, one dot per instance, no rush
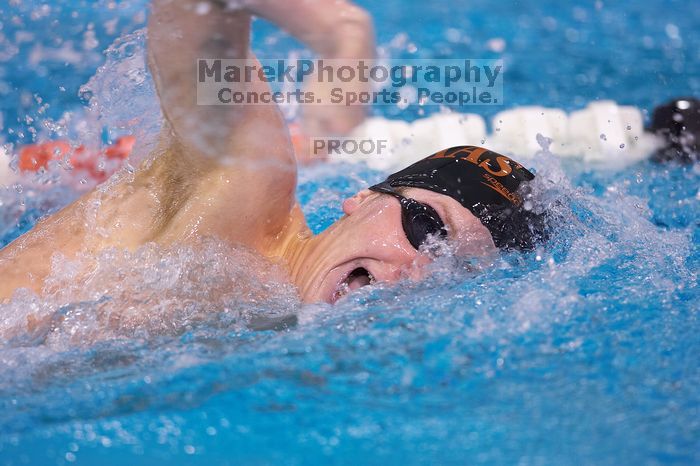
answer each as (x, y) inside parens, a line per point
(419, 221)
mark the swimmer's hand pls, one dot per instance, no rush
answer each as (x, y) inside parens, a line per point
(335, 30)
(349, 40)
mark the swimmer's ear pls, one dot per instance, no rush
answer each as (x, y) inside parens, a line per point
(351, 204)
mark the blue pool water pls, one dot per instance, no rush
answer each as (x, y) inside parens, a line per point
(583, 352)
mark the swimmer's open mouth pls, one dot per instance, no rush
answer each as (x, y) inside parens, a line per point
(355, 280)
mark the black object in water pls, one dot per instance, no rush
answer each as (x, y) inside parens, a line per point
(677, 122)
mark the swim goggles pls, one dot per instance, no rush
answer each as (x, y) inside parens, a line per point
(419, 220)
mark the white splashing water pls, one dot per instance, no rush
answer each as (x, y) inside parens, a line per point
(121, 96)
(148, 293)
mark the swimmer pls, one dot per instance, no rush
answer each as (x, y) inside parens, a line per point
(230, 172)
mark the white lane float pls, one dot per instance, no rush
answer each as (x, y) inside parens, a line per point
(601, 133)
(409, 142)
(515, 131)
(605, 131)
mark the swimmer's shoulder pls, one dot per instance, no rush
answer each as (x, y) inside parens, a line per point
(27, 261)
(239, 201)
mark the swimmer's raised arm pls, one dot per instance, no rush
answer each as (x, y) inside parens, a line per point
(205, 167)
(335, 29)
(331, 28)
(181, 32)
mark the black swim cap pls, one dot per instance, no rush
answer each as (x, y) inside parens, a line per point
(678, 123)
(485, 183)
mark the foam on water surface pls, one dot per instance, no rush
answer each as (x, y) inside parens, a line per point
(149, 293)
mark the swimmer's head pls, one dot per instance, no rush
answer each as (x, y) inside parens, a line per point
(470, 196)
(484, 182)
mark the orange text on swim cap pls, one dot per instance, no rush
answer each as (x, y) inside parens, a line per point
(473, 153)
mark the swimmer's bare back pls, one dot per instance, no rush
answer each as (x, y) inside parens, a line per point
(223, 171)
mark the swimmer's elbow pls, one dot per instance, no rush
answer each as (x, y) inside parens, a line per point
(353, 27)
(332, 28)
(357, 17)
